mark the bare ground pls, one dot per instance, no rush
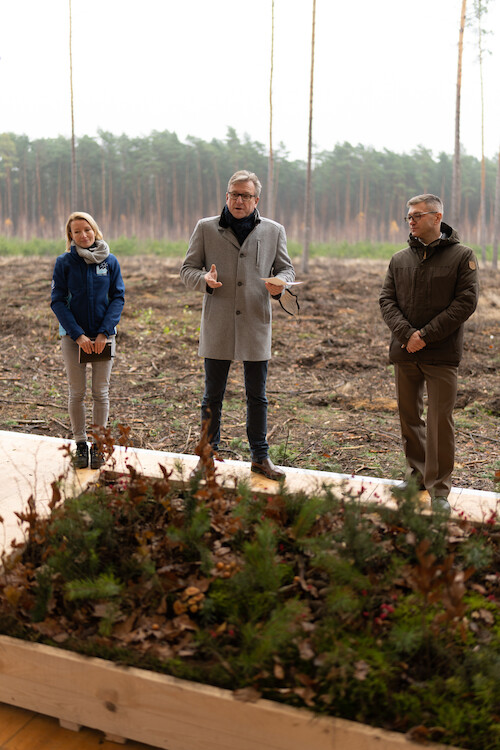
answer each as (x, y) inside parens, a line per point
(330, 386)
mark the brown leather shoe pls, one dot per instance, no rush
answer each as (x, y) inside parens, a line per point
(268, 469)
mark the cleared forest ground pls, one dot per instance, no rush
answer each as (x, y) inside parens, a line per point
(330, 387)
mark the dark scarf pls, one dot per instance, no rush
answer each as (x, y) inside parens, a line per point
(241, 227)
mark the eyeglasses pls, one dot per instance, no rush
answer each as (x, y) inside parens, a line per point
(245, 197)
(418, 216)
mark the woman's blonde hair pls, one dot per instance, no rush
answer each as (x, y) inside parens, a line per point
(75, 216)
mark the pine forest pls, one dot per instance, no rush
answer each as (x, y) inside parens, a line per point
(158, 187)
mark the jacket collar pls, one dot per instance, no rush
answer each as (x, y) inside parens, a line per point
(240, 228)
(225, 220)
(448, 237)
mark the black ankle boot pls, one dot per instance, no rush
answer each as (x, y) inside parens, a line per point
(96, 457)
(81, 455)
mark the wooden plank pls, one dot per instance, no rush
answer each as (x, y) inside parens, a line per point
(29, 463)
(477, 505)
(12, 720)
(69, 725)
(28, 466)
(43, 733)
(116, 739)
(165, 712)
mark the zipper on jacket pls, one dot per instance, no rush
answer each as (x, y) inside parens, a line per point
(90, 296)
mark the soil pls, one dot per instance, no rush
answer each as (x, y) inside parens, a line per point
(330, 386)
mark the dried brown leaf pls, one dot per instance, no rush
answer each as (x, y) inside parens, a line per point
(247, 695)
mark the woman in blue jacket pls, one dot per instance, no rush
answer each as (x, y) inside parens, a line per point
(87, 298)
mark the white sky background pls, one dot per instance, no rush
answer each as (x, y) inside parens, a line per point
(385, 72)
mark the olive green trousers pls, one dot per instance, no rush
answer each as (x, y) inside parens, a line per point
(428, 439)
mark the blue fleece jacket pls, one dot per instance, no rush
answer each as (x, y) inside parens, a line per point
(87, 298)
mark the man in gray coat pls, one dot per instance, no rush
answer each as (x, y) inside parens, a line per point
(430, 290)
(227, 259)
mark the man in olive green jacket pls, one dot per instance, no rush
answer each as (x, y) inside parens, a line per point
(430, 290)
(228, 258)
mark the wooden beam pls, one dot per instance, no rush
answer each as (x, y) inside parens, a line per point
(166, 712)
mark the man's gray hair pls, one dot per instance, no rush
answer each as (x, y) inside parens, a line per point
(244, 176)
(432, 201)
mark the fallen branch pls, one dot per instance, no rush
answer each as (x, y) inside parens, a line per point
(478, 435)
(312, 390)
(57, 421)
(187, 440)
(278, 426)
(26, 401)
(31, 421)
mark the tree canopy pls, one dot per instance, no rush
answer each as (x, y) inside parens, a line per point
(158, 187)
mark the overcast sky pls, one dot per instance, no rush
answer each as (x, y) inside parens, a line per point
(385, 72)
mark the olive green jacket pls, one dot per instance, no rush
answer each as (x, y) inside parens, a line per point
(433, 289)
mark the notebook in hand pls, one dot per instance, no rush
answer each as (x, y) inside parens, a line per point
(93, 357)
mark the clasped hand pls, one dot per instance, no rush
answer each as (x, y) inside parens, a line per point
(90, 346)
(415, 343)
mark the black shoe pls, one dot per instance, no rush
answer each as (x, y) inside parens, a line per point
(268, 469)
(81, 455)
(440, 504)
(96, 457)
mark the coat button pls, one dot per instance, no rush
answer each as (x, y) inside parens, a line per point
(238, 312)
(240, 283)
(242, 255)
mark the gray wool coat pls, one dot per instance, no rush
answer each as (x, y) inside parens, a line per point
(236, 317)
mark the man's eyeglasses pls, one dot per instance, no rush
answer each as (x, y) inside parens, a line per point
(418, 216)
(245, 197)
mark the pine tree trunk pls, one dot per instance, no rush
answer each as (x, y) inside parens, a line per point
(74, 193)
(456, 179)
(308, 208)
(480, 10)
(496, 225)
(270, 163)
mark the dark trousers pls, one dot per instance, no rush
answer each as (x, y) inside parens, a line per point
(430, 453)
(216, 374)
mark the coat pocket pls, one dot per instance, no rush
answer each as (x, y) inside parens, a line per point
(442, 287)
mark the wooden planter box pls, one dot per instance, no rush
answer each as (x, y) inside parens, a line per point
(128, 703)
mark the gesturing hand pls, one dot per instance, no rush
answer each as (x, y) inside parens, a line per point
(211, 278)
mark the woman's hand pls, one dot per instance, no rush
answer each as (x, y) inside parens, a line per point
(90, 346)
(100, 342)
(85, 343)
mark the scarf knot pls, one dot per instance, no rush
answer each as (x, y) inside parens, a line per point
(241, 227)
(98, 253)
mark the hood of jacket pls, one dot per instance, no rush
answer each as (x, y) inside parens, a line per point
(449, 236)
